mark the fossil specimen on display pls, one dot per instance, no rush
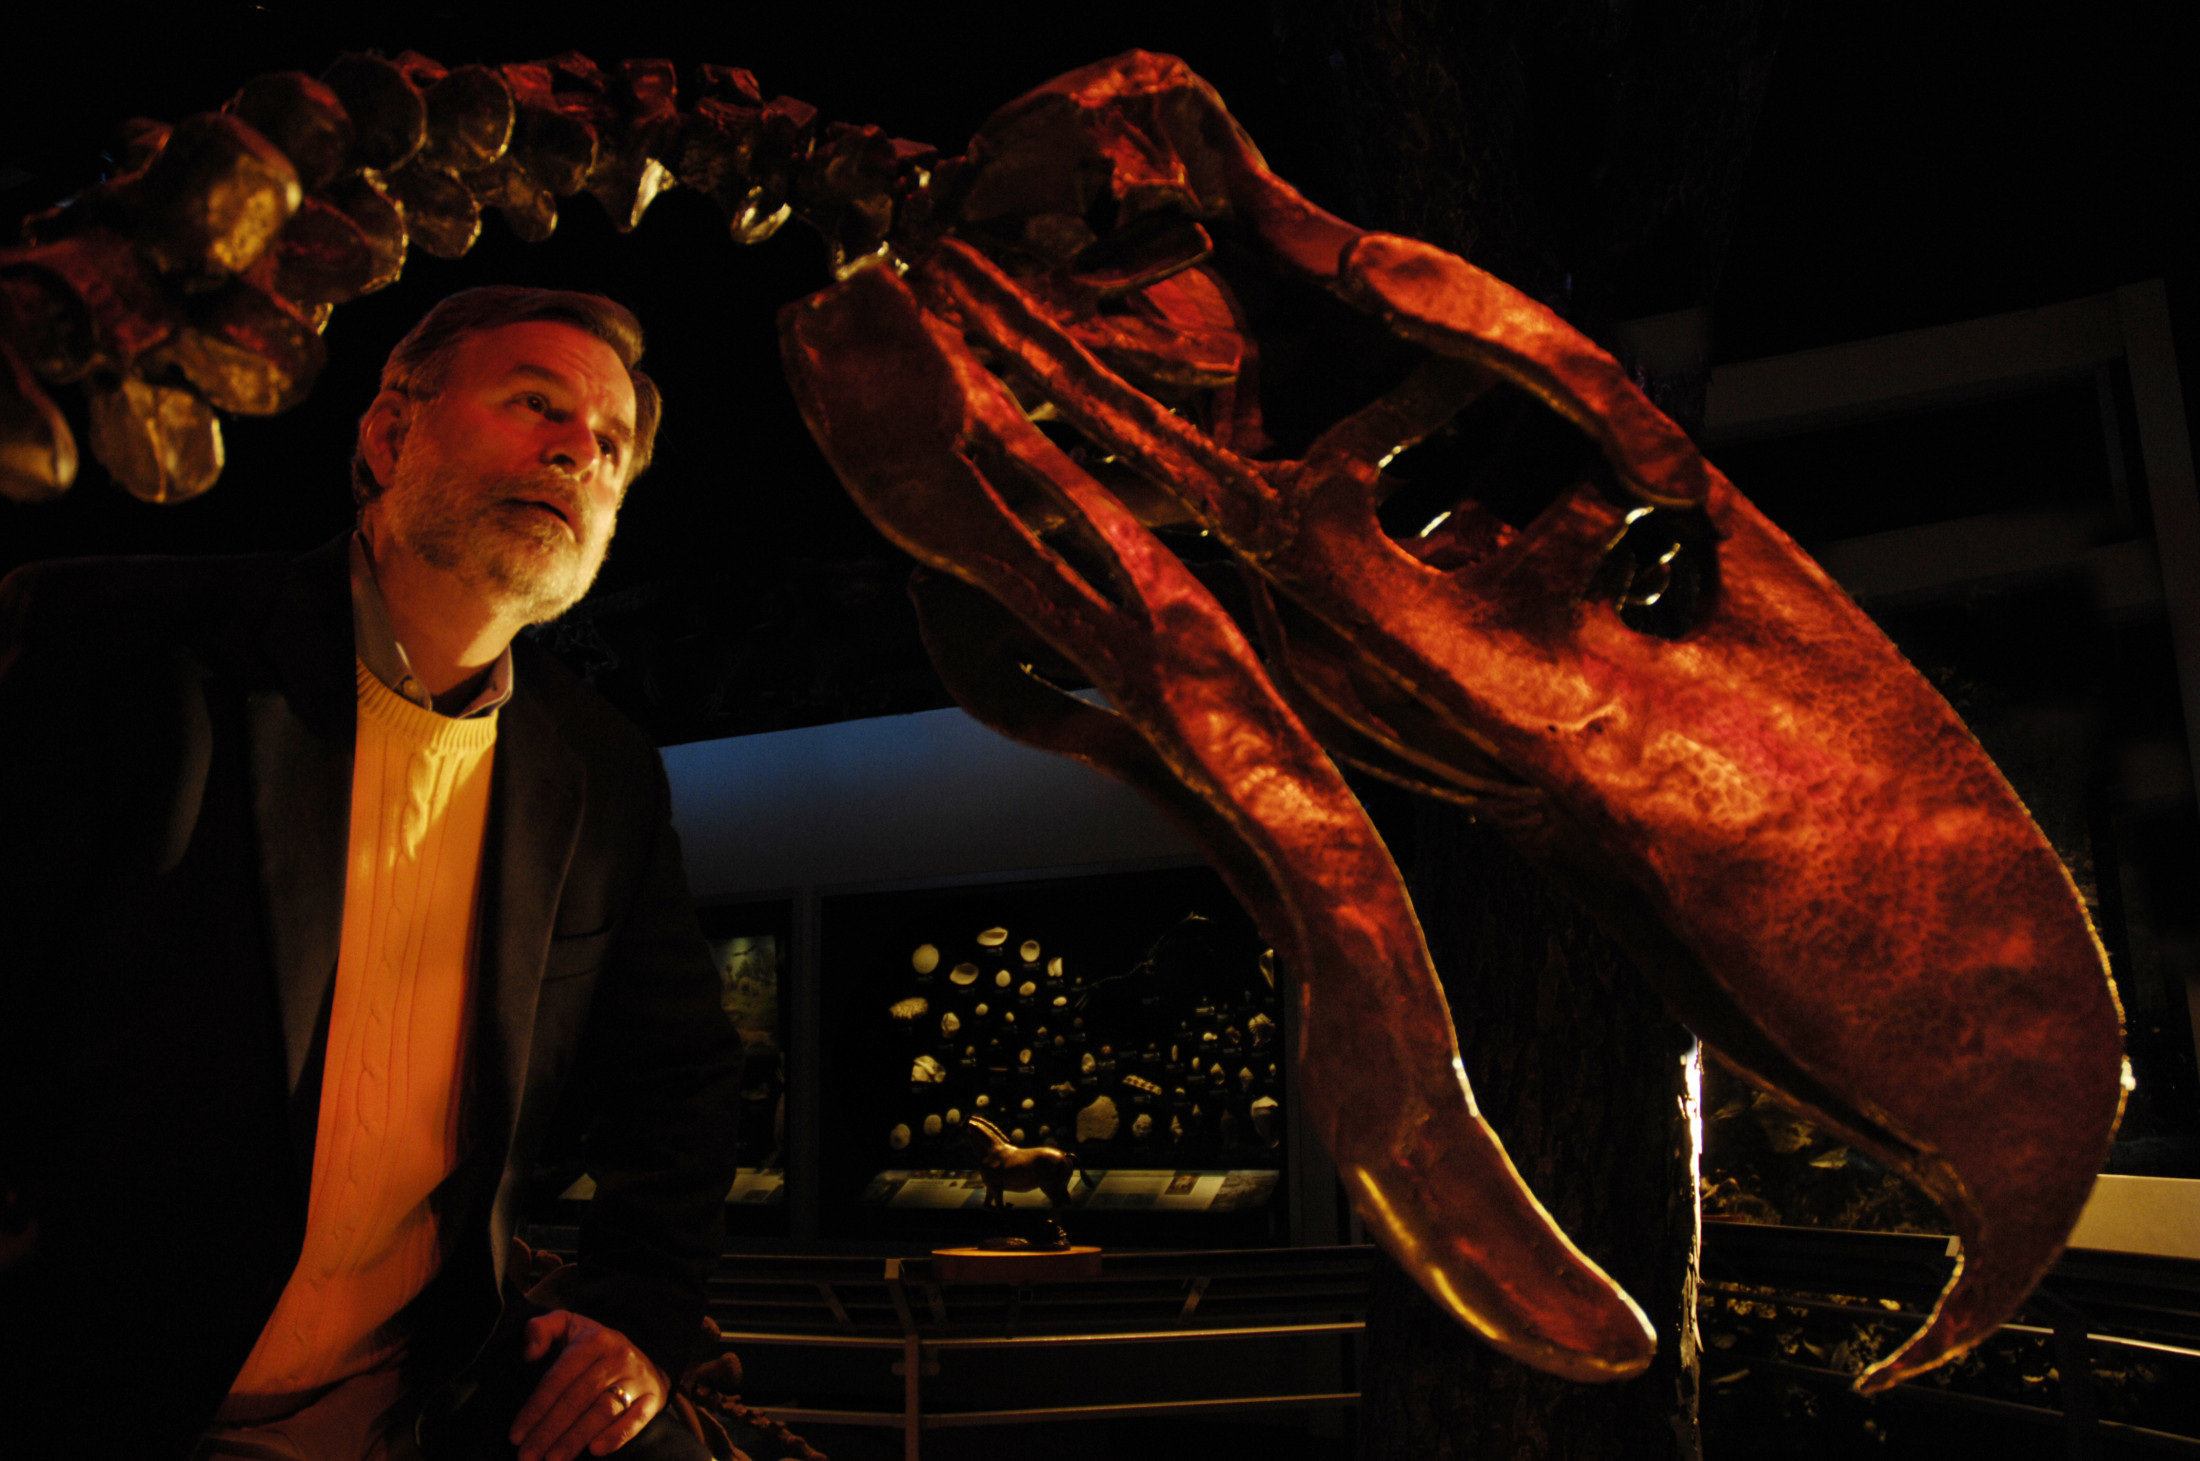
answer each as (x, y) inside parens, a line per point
(1033, 367)
(1264, 1111)
(1098, 1121)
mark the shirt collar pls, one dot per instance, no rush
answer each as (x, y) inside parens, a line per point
(375, 642)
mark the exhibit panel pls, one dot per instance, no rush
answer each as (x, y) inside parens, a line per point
(751, 944)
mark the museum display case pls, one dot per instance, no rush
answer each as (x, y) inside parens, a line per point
(1130, 1019)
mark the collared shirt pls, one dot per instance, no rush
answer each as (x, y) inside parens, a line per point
(375, 642)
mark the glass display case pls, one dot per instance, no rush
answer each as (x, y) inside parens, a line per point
(751, 944)
(1130, 1019)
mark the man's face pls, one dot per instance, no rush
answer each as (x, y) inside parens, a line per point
(509, 478)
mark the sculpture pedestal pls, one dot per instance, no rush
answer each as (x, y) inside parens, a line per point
(1027, 1265)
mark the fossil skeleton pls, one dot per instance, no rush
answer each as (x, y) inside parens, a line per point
(1030, 361)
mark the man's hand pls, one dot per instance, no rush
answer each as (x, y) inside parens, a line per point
(578, 1404)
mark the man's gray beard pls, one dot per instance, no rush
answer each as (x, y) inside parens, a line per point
(437, 527)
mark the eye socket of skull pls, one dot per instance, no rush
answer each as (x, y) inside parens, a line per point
(1661, 573)
(1507, 454)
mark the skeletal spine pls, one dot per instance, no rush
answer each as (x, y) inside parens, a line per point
(198, 279)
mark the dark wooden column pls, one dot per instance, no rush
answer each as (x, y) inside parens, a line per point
(1580, 1070)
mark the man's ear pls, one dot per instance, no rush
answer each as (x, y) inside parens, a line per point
(382, 434)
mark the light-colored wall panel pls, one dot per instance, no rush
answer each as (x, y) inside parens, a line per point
(933, 795)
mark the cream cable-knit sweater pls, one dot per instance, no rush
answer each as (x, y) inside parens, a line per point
(392, 1082)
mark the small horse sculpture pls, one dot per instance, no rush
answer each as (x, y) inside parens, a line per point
(1008, 1167)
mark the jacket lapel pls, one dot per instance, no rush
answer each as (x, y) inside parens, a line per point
(301, 728)
(536, 788)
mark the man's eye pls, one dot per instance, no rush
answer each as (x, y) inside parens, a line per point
(608, 447)
(534, 402)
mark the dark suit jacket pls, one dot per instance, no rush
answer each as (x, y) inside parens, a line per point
(175, 789)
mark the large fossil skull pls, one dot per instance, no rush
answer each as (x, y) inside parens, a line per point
(1646, 685)
(1797, 837)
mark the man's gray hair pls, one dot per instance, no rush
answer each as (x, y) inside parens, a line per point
(420, 365)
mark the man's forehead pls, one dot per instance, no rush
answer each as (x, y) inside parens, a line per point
(554, 353)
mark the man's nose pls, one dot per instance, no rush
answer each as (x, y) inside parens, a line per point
(571, 447)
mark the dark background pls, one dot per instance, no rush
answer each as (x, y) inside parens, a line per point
(1911, 165)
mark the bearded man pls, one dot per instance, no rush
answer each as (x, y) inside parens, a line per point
(325, 904)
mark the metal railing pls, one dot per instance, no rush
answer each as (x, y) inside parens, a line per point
(898, 1306)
